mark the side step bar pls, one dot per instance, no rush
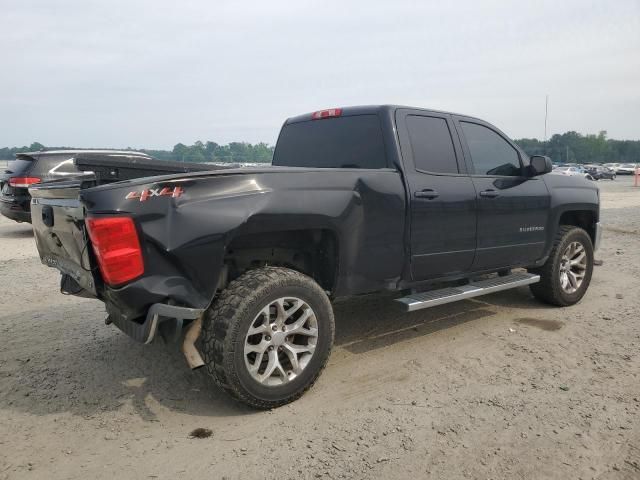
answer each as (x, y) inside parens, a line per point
(418, 301)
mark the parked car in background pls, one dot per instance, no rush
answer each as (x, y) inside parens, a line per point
(572, 172)
(601, 173)
(35, 167)
(626, 169)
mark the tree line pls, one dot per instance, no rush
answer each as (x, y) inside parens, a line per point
(572, 147)
(234, 152)
(562, 148)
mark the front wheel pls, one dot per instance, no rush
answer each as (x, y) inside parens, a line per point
(268, 336)
(566, 275)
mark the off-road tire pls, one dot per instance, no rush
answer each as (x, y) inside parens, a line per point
(227, 321)
(549, 289)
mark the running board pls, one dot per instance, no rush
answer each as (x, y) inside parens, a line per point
(417, 301)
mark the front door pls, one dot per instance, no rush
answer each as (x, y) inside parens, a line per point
(443, 199)
(513, 208)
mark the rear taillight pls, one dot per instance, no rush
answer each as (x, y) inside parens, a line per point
(329, 113)
(117, 248)
(23, 182)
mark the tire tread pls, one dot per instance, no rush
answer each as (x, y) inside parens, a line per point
(547, 289)
(220, 329)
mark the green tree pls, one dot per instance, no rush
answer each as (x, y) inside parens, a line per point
(180, 151)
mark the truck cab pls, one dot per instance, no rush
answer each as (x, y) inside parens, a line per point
(474, 203)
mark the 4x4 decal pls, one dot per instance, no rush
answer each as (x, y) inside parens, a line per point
(156, 192)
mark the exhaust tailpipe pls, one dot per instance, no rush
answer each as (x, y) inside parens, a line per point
(191, 353)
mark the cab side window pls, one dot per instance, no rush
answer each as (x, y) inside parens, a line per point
(431, 144)
(490, 153)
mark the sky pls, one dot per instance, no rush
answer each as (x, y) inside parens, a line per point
(150, 74)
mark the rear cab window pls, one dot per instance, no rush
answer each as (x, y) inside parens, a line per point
(354, 141)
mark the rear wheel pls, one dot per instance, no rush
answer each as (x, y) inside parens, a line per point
(268, 336)
(566, 275)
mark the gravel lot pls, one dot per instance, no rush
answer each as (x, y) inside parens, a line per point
(498, 387)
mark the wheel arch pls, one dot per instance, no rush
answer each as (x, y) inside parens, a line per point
(312, 251)
(582, 218)
(582, 215)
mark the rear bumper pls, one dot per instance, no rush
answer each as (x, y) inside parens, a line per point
(169, 318)
(14, 211)
(136, 298)
(597, 236)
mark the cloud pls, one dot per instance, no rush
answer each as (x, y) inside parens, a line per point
(150, 74)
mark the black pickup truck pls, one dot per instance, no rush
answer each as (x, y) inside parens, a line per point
(240, 265)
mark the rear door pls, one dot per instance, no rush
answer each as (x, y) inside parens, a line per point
(442, 197)
(513, 208)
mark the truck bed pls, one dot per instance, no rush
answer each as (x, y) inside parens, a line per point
(59, 230)
(114, 169)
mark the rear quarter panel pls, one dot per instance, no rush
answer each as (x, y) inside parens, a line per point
(185, 238)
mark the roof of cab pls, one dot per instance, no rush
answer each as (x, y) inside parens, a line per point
(370, 109)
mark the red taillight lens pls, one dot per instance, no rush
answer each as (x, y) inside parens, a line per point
(331, 112)
(23, 182)
(117, 248)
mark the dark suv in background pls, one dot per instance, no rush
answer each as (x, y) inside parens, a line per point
(37, 167)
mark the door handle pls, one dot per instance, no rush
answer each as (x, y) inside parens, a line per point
(489, 193)
(426, 193)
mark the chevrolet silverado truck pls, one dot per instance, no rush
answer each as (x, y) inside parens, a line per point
(240, 266)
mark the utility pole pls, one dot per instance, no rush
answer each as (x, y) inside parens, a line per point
(546, 111)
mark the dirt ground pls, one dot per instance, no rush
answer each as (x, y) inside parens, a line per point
(501, 387)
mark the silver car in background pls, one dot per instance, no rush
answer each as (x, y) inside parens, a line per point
(572, 172)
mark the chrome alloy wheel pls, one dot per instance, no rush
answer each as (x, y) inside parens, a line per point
(573, 267)
(281, 341)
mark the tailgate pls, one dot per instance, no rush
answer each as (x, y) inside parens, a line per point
(58, 225)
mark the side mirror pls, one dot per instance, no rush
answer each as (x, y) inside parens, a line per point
(540, 165)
